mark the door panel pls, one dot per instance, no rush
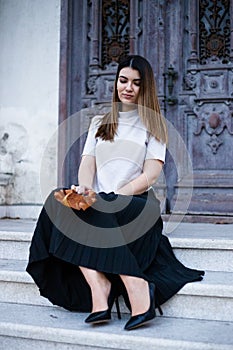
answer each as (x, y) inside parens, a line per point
(207, 111)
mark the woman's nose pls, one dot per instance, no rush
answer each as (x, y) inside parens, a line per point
(129, 86)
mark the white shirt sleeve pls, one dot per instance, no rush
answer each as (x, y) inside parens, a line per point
(155, 149)
(90, 144)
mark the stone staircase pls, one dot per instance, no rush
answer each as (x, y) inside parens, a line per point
(199, 317)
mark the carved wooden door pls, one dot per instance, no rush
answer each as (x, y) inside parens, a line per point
(199, 45)
(190, 46)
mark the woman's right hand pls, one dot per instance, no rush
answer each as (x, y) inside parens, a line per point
(89, 196)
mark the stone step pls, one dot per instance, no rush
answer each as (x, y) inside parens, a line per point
(15, 238)
(17, 286)
(210, 299)
(200, 246)
(39, 327)
(15, 211)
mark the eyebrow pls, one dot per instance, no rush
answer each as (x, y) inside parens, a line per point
(122, 76)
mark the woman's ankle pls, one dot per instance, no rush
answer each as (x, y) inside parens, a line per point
(100, 293)
(100, 288)
(138, 293)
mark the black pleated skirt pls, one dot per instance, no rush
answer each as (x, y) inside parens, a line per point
(118, 235)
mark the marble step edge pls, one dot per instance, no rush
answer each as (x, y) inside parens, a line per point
(55, 325)
(193, 242)
(20, 211)
(90, 341)
(16, 236)
(214, 283)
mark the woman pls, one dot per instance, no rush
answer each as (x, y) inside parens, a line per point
(83, 260)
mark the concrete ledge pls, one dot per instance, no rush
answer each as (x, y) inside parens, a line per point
(15, 236)
(214, 283)
(210, 299)
(14, 245)
(54, 326)
(210, 250)
(202, 243)
(20, 211)
(206, 259)
(17, 225)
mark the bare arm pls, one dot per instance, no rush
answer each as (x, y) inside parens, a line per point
(151, 171)
(87, 170)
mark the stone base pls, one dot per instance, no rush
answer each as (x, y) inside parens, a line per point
(20, 211)
(197, 218)
(205, 204)
(205, 194)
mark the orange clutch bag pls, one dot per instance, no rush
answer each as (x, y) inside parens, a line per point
(72, 199)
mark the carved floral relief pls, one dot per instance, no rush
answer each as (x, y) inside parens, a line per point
(215, 31)
(213, 119)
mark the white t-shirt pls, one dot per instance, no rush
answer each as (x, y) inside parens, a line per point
(120, 161)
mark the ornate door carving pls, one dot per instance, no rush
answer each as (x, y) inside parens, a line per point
(205, 103)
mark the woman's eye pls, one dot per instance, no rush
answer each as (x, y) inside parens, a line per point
(125, 81)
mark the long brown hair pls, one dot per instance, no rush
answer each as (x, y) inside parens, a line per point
(148, 103)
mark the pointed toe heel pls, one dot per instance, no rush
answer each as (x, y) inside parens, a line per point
(141, 319)
(99, 317)
(105, 316)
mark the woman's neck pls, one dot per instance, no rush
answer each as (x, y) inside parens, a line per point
(128, 107)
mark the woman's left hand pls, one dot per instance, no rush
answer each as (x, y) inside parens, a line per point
(81, 189)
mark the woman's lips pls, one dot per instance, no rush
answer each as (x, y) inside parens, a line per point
(127, 96)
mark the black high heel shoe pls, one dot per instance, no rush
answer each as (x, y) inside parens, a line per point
(141, 319)
(105, 316)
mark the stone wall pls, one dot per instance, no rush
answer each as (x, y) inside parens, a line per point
(29, 70)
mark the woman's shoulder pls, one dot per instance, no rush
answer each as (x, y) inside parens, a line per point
(96, 120)
(153, 139)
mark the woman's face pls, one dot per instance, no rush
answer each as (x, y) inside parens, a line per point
(128, 87)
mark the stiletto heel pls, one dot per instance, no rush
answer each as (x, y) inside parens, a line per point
(118, 308)
(141, 319)
(105, 316)
(159, 308)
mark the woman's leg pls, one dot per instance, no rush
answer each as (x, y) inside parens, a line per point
(138, 293)
(100, 288)
(137, 289)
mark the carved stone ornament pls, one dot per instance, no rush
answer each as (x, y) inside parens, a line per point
(108, 88)
(108, 33)
(214, 143)
(214, 24)
(91, 85)
(213, 119)
(214, 83)
(115, 30)
(190, 81)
